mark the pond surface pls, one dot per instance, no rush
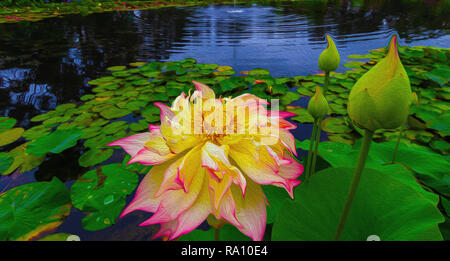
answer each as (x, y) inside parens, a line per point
(47, 63)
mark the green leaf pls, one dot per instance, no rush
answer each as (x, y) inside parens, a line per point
(276, 197)
(7, 123)
(259, 71)
(289, 97)
(303, 115)
(23, 160)
(56, 142)
(335, 125)
(116, 68)
(10, 136)
(233, 83)
(383, 206)
(5, 161)
(112, 112)
(56, 237)
(102, 192)
(95, 156)
(32, 209)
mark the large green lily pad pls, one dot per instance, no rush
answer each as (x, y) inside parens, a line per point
(32, 209)
(383, 206)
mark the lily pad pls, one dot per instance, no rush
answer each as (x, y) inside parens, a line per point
(303, 115)
(23, 160)
(7, 123)
(5, 161)
(102, 192)
(10, 136)
(32, 209)
(56, 142)
(95, 156)
(116, 68)
(259, 71)
(315, 212)
(335, 125)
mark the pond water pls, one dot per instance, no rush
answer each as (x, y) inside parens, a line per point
(47, 63)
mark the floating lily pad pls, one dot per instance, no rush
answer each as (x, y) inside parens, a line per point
(95, 156)
(7, 123)
(56, 142)
(102, 192)
(335, 125)
(259, 71)
(23, 160)
(137, 64)
(32, 209)
(5, 161)
(113, 113)
(316, 209)
(116, 68)
(303, 115)
(10, 135)
(114, 127)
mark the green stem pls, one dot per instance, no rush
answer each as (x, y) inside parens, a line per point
(311, 144)
(354, 185)
(325, 85)
(217, 234)
(398, 143)
(319, 129)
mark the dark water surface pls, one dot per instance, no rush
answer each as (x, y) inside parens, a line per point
(47, 63)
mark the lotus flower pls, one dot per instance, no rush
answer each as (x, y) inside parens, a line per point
(208, 168)
(381, 98)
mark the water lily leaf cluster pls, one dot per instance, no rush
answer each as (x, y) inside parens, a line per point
(429, 74)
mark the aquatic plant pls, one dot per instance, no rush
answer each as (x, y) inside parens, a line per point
(380, 99)
(213, 167)
(414, 190)
(328, 61)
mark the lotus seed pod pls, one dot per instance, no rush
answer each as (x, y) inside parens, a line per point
(381, 98)
(318, 105)
(329, 58)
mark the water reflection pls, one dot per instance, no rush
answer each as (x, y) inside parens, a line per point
(47, 63)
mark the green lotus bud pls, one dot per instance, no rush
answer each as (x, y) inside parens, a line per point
(329, 58)
(381, 98)
(318, 105)
(414, 99)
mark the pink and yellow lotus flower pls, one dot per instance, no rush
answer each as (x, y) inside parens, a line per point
(212, 162)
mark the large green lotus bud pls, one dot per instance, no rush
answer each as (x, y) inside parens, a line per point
(318, 105)
(381, 98)
(329, 58)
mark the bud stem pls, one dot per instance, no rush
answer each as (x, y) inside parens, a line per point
(319, 129)
(327, 81)
(354, 185)
(398, 143)
(311, 144)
